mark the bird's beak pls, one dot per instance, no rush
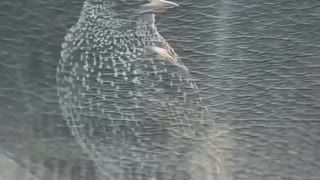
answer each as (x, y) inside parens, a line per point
(159, 5)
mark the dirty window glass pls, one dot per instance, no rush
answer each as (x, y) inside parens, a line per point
(159, 90)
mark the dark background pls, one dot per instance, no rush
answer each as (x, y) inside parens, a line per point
(260, 61)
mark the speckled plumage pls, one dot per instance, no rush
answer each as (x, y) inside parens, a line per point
(133, 111)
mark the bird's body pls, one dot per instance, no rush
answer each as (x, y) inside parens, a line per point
(135, 112)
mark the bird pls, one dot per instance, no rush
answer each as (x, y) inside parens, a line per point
(127, 97)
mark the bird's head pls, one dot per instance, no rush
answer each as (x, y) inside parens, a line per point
(125, 12)
(133, 7)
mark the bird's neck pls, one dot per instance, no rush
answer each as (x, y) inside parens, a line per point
(146, 22)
